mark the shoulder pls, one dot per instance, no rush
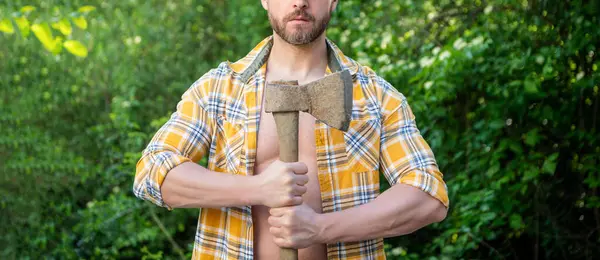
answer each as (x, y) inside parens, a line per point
(377, 91)
(217, 90)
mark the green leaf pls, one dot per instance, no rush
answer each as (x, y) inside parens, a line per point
(76, 48)
(530, 174)
(515, 147)
(516, 222)
(6, 26)
(23, 25)
(531, 86)
(80, 22)
(548, 70)
(448, 249)
(515, 83)
(532, 137)
(549, 165)
(493, 170)
(86, 9)
(497, 124)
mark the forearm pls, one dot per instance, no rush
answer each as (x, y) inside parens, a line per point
(400, 210)
(190, 185)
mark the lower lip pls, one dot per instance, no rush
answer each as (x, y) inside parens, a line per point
(298, 21)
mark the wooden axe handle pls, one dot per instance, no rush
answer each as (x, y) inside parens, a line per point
(287, 129)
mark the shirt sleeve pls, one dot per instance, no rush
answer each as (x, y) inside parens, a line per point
(405, 155)
(185, 137)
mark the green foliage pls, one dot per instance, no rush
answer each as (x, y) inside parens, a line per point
(505, 92)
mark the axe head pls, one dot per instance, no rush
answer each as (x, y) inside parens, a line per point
(328, 99)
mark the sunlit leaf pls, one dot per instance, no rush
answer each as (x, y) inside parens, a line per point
(27, 9)
(6, 26)
(23, 25)
(80, 22)
(76, 48)
(64, 26)
(86, 9)
(44, 35)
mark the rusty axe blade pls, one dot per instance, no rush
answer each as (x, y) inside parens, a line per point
(328, 99)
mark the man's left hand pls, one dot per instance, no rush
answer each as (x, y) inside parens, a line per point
(295, 226)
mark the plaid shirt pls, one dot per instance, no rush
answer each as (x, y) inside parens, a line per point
(218, 116)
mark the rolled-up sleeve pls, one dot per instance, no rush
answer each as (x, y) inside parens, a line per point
(405, 155)
(185, 137)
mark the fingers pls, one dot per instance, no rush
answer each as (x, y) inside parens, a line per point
(293, 180)
(301, 180)
(296, 200)
(298, 167)
(288, 201)
(295, 195)
(281, 237)
(299, 190)
(276, 231)
(275, 220)
(278, 217)
(281, 242)
(275, 212)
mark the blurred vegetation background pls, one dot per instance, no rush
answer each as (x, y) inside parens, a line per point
(505, 92)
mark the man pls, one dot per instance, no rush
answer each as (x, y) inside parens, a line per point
(328, 204)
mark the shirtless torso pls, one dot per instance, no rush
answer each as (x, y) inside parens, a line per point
(267, 152)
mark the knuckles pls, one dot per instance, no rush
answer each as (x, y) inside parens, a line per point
(286, 232)
(271, 220)
(288, 179)
(289, 201)
(287, 222)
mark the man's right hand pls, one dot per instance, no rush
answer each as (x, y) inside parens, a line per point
(282, 184)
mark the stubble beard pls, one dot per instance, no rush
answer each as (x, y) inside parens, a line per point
(299, 36)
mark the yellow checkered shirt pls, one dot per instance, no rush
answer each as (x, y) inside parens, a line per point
(218, 117)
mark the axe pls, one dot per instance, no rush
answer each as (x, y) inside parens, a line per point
(328, 99)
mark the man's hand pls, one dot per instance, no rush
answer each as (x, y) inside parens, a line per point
(282, 184)
(295, 227)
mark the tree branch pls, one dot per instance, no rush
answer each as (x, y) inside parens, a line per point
(485, 244)
(176, 246)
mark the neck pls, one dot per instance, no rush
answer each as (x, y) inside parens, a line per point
(298, 61)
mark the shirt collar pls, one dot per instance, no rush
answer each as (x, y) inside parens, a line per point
(255, 59)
